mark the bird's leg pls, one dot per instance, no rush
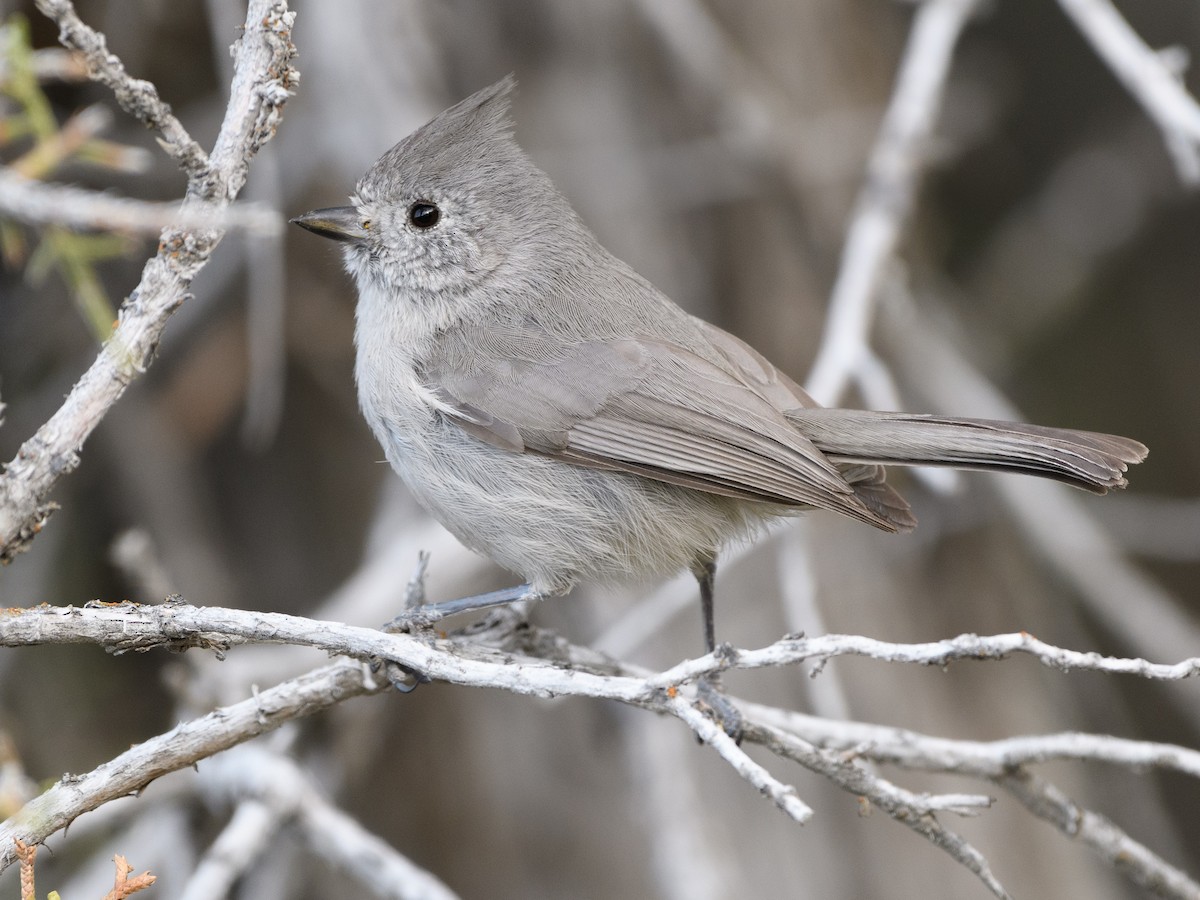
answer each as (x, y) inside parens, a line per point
(708, 688)
(405, 678)
(705, 570)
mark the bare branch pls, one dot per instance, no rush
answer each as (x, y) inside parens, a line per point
(465, 661)
(41, 203)
(174, 624)
(262, 80)
(124, 627)
(138, 98)
(964, 647)
(707, 730)
(182, 746)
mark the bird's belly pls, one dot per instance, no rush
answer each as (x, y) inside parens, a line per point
(555, 523)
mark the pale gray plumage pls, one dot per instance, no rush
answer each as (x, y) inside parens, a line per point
(559, 414)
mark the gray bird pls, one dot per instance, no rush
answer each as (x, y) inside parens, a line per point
(559, 414)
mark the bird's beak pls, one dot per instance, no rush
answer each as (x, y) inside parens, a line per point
(340, 223)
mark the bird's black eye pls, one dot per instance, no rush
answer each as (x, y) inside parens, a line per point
(424, 214)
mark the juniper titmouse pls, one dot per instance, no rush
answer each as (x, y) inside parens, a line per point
(559, 414)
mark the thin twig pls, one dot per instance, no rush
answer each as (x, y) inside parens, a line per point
(123, 885)
(42, 203)
(986, 759)
(912, 810)
(137, 97)
(964, 647)
(782, 795)
(343, 842)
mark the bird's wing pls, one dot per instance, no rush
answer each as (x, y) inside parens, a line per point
(867, 479)
(642, 406)
(756, 370)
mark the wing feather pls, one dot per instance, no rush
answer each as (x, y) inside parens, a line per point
(647, 407)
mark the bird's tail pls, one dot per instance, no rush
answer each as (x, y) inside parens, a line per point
(1084, 459)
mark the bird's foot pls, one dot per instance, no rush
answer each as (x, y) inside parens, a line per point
(426, 614)
(407, 679)
(404, 678)
(719, 708)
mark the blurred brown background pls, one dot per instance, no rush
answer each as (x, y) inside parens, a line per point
(717, 146)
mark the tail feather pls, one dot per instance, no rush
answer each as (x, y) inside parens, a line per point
(1084, 459)
(892, 512)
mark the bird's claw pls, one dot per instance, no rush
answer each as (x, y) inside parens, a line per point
(719, 707)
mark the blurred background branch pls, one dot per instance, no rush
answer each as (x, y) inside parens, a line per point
(885, 201)
(39, 203)
(1154, 77)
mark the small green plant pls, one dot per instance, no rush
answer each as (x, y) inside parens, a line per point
(43, 145)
